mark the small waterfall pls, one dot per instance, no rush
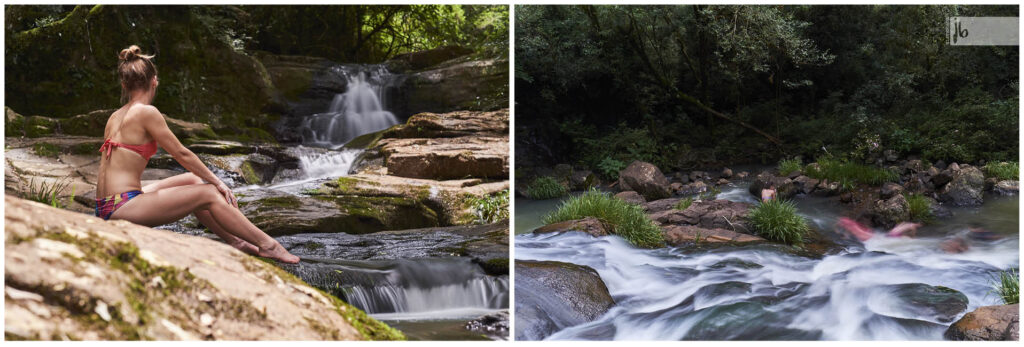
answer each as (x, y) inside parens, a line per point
(327, 164)
(399, 289)
(357, 111)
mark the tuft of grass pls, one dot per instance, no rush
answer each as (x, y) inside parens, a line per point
(777, 220)
(490, 209)
(684, 203)
(47, 193)
(622, 218)
(788, 166)
(1007, 286)
(850, 174)
(544, 188)
(44, 149)
(1002, 170)
(920, 208)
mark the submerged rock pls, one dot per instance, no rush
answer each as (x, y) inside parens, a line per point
(493, 325)
(74, 276)
(646, 179)
(1007, 187)
(988, 323)
(551, 296)
(925, 302)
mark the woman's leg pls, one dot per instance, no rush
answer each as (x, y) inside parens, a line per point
(203, 216)
(171, 204)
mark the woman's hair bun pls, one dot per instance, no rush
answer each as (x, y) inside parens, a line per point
(130, 53)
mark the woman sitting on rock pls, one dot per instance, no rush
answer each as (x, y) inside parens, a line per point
(768, 194)
(131, 137)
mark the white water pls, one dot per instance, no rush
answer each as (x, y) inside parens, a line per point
(684, 293)
(357, 111)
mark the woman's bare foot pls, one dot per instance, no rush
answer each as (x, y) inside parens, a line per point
(277, 252)
(246, 247)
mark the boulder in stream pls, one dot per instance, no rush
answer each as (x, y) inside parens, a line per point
(887, 213)
(646, 179)
(551, 296)
(987, 323)
(966, 187)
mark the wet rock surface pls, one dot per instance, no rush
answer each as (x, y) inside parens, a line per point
(589, 225)
(553, 295)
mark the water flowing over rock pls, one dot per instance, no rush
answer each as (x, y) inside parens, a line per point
(357, 111)
(646, 179)
(553, 295)
(1006, 187)
(988, 323)
(71, 275)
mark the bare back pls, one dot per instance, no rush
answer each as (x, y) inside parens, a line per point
(122, 170)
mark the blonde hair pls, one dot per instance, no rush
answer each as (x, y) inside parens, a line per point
(135, 70)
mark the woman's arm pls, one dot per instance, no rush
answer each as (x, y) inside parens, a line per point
(156, 126)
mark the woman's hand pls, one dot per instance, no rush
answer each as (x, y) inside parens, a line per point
(228, 195)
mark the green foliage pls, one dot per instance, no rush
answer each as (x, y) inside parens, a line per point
(491, 208)
(544, 188)
(375, 33)
(624, 219)
(1002, 170)
(849, 174)
(777, 220)
(787, 166)
(920, 208)
(605, 70)
(44, 149)
(684, 203)
(609, 168)
(1007, 286)
(47, 193)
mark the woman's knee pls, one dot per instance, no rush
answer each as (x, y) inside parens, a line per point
(209, 195)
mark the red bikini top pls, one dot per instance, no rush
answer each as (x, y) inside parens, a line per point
(145, 150)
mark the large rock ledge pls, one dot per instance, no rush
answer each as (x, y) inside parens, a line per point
(71, 276)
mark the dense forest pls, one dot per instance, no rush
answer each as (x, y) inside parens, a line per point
(60, 59)
(695, 86)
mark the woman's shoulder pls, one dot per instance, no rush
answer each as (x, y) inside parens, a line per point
(144, 111)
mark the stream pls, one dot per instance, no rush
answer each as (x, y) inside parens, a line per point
(872, 291)
(403, 279)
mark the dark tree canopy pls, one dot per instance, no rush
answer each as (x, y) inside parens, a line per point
(691, 86)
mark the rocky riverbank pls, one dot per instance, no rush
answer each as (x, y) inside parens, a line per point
(694, 219)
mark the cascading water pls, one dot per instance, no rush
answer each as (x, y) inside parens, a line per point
(359, 110)
(886, 288)
(410, 289)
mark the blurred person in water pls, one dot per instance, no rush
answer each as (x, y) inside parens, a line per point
(864, 233)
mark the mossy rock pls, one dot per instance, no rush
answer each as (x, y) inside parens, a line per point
(39, 126)
(14, 125)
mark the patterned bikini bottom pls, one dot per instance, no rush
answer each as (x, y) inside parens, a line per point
(106, 206)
